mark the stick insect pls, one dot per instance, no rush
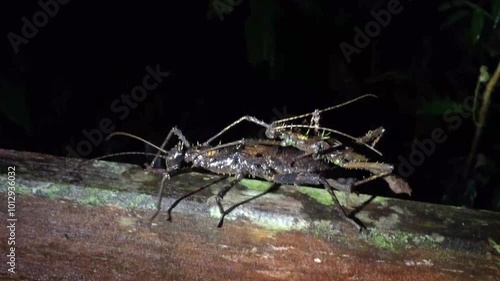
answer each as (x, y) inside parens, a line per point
(234, 158)
(327, 148)
(268, 161)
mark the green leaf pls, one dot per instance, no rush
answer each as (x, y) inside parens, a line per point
(454, 18)
(477, 25)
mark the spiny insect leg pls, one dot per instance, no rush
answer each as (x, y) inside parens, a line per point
(378, 170)
(244, 118)
(372, 136)
(240, 142)
(173, 131)
(331, 131)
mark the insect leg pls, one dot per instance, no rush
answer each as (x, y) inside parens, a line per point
(331, 131)
(169, 211)
(378, 170)
(373, 136)
(244, 118)
(315, 179)
(173, 131)
(166, 176)
(220, 195)
(329, 188)
(240, 142)
(381, 170)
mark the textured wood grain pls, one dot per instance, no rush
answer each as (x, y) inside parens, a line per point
(91, 224)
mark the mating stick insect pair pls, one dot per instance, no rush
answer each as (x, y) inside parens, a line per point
(286, 157)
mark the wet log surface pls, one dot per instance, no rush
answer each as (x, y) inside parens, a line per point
(91, 224)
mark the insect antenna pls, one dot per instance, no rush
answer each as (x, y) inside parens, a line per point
(122, 153)
(84, 162)
(316, 112)
(135, 137)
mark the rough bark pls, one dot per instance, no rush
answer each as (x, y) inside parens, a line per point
(91, 224)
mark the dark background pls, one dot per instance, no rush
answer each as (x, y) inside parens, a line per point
(270, 59)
